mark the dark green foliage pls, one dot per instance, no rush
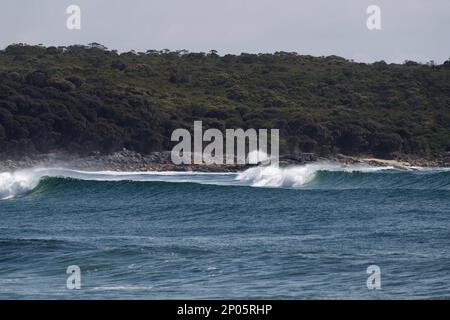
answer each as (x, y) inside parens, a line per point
(85, 98)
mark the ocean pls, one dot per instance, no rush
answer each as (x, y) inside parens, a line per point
(306, 232)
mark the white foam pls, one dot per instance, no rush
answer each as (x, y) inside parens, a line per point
(276, 177)
(16, 183)
(295, 176)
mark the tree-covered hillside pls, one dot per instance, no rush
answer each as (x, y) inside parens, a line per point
(82, 99)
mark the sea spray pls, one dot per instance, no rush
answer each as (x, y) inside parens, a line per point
(277, 177)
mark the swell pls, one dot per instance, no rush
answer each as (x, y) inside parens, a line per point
(385, 180)
(314, 176)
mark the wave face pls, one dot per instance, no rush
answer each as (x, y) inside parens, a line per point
(311, 176)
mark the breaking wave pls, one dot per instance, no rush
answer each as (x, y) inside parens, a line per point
(334, 176)
(16, 183)
(296, 176)
(311, 176)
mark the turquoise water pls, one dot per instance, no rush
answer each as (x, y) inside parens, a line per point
(297, 233)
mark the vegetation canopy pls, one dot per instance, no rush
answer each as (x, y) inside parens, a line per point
(81, 99)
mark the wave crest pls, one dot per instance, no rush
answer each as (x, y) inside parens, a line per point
(327, 176)
(16, 183)
(295, 176)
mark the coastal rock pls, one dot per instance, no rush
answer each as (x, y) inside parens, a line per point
(127, 160)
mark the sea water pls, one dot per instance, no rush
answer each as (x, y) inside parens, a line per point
(305, 232)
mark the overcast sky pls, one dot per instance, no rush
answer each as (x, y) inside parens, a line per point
(411, 29)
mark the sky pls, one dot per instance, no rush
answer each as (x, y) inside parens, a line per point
(416, 30)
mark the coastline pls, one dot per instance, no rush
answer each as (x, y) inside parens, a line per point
(126, 160)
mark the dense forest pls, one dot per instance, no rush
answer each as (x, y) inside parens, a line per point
(84, 99)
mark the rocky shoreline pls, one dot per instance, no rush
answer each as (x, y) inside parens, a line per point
(127, 160)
